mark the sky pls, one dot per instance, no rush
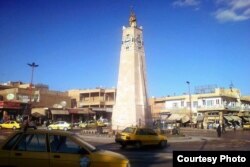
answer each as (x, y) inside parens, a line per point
(77, 43)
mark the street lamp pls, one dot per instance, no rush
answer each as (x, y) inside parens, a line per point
(33, 66)
(191, 121)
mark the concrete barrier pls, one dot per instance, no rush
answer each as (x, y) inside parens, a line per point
(102, 131)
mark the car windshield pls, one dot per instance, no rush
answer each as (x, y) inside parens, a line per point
(129, 130)
(87, 145)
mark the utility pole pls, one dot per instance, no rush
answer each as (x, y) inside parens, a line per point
(33, 66)
(190, 101)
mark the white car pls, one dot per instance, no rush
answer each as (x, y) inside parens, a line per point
(106, 122)
(60, 125)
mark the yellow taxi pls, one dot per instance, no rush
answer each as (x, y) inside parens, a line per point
(91, 124)
(59, 125)
(246, 126)
(44, 148)
(10, 125)
(140, 137)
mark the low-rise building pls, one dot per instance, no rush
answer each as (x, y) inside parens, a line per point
(20, 99)
(221, 106)
(202, 109)
(98, 100)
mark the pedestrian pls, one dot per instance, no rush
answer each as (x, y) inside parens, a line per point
(234, 125)
(47, 123)
(223, 128)
(25, 124)
(219, 131)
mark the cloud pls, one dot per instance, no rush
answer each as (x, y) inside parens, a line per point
(185, 3)
(232, 10)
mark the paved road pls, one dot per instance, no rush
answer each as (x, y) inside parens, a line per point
(156, 157)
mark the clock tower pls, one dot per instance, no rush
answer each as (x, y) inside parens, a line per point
(131, 107)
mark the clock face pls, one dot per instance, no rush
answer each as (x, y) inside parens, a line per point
(128, 41)
(138, 41)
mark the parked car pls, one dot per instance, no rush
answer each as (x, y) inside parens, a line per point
(10, 125)
(106, 122)
(246, 126)
(91, 124)
(140, 137)
(76, 124)
(59, 125)
(43, 148)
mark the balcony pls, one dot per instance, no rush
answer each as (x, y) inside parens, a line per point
(221, 107)
(175, 109)
(245, 108)
(91, 102)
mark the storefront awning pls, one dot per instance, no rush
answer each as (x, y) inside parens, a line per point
(10, 105)
(96, 109)
(236, 118)
(176, 117)
(228, 118)
(80, 111)
(179, 117)
(246, 119)
(59, 112)
(232, 118)
(170, 121)
(38, 112)
(164, 116)
(185, 119)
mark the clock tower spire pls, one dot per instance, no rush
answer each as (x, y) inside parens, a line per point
(132, 18)
(131, 107)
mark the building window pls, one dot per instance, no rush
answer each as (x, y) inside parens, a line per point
(195, 104)
(213, 113)
(203, 102)
(210, 102)
(233, 104)
(175, 105)
(217, 101)
(182, 103)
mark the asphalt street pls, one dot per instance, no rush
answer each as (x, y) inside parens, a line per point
(150, 156)
(192, 141)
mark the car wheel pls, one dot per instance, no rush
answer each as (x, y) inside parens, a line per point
(138, 144)
(65, 129)
(49, 128)
(0, 127)
(163, 144)
(14, 128)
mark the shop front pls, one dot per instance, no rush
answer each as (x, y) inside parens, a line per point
(12, 110)
(182, 119)
(80, 114)
(199, 120)
(232, 121)
(60, 115)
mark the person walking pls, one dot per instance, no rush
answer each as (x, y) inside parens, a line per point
(25, 124)
(218, 131)
(223, 128)
(234, 125)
